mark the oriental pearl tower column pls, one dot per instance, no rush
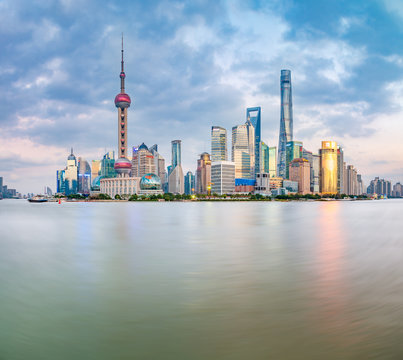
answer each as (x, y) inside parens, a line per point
(122, 102)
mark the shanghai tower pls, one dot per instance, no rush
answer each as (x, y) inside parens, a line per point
(285, 121)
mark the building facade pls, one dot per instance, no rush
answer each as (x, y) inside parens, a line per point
(203, 174)
(300, 171)
(262, 185)
(273, 161)
(142, 161)
(286, 121)
(223, 177)
(175, 177)
(108, 165)
(328, 167)
(294, 150)
(340, 170)
(243, 150)
(84, 176)
(218, 144)
(253, 115)
(71, 175)
(189, 183)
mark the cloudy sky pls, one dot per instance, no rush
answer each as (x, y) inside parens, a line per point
(191, 65)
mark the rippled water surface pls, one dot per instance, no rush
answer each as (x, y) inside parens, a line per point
(253, 280)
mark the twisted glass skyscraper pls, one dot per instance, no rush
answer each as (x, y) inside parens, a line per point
(285, 121)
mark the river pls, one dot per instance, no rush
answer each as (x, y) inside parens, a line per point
(201, 280)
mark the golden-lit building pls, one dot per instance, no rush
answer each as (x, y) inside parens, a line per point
(328, 167)
(203, 174)
(300, 171)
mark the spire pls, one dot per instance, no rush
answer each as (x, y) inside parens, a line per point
(71, 151)
(122, 73)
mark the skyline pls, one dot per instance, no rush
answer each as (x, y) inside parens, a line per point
(194, 70)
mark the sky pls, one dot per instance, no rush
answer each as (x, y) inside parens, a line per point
(193, 64)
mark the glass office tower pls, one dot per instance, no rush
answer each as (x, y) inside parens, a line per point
(108, 165)
(286, 121)
(243, 150)
(264, 157)
(273, 161)
(218, 144)
(293, 151)
(254, 116)
(176, 153)
(328, 167)
(189, 183)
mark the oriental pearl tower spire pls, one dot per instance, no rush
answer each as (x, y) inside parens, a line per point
(122, 102)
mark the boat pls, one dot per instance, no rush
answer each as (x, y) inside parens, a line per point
(37, 199)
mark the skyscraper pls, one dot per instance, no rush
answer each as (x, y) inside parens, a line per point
(243, 150)
(300, 171)
(176, 178)
(203, 173)
(189, 183)
(286, 121)
(84, 176)
(108, 165)
(122, 101)
(328, 167)
(340, 171)
(142, 161)
(294, 150)
(71, 174)
(176, 153)
(273, 161)
(254, 116)
(264, 158)
(95, 168)
(218, 144)
(159, 162)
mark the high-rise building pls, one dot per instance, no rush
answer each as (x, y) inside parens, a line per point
(300, 171)
(254, 116)
(380, 187)
(243, 150)
(108, 165)
(96, 168)
(315, 174)
(71, 175)
(218, 144)
(328, 167)
(264, 158)
(223, 177)
(189, 183)
(176, 178)
(351, 185)
(340, 170)
(397, 190)
(273, 161)
(84, 176)
(176, 181)
(1, 187)
(176, 153)
(286, 121)
(159, 162)
(203, 174)
(143, 161)
(293, 151)
(61, 182)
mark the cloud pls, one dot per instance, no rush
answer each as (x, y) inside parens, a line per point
(191, 65)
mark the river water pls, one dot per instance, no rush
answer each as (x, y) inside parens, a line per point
(205, 280)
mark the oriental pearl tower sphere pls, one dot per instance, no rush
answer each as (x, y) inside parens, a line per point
(122, 101)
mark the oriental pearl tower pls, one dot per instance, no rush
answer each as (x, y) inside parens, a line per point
(122, 102)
